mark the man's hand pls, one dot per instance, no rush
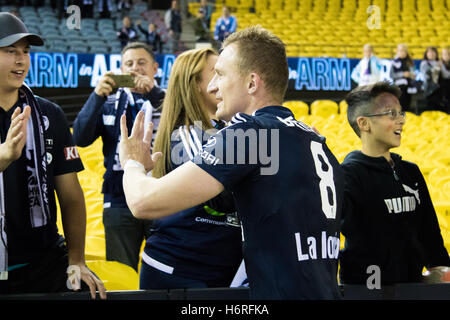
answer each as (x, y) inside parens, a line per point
(137, 145)
(105, 85)
(437, 274)
(143, 84)
(16, 137)
(83, 273)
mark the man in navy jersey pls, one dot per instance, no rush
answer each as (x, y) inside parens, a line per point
(287, 184)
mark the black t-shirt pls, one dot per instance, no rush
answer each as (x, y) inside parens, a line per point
(26, 243)
(288, 189)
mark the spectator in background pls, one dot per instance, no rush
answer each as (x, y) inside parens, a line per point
(445, 78)
(173, 22)
(388, 219)
(104, 8)
(152, 37)
(200, 29)
(59, 7)
(124, 7)
(99, 117)
(368, 70)
(225, 25)
(402, 72)
(128, 33)
(207, 10)
(431, 69)
(87, 9)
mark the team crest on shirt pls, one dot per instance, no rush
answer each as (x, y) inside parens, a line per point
(211, 142)
(49, 158)
(46, 122)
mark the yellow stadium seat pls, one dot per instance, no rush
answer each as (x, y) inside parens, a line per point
(438, 177)
(115, 276)
(343, 107)
(434, 115)
(298, 108)
(324, 108)
(443, 214)
(95, 248)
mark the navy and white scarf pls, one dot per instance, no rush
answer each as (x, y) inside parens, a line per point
(36, 166)
(144, 105)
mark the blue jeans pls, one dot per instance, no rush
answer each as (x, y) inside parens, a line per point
(151, 278)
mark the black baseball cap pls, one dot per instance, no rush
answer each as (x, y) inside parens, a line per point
(13, 29)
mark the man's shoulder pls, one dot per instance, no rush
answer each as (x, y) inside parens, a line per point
(241, 121)
(48, 107)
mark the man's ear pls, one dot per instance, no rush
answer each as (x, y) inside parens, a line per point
(253, 83)
(363, 124)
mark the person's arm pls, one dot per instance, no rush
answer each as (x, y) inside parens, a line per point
(233, 26)
(136, 35)
(424, 68)
(183, 188)
(353, 193)
(356, 72)
(395, 75)
(445, 73)
(122, 35)
(151, 198)
(217, 28)
(73, 216)
(88, 124)
(377, 66)
(158, 43)
(145, 32)
(430, 233)
(11, 149)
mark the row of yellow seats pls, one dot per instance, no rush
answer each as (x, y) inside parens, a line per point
(318, 107)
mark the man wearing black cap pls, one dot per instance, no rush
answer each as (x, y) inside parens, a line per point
(37, 158)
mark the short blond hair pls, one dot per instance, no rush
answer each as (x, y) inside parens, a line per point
(262, 52)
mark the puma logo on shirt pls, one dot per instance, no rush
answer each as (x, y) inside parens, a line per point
(403, 204)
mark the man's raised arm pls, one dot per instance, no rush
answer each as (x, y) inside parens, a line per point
(151, 198)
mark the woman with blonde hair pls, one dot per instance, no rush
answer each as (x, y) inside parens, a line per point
(201, 246)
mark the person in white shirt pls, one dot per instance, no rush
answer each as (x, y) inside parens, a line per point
(368, 70)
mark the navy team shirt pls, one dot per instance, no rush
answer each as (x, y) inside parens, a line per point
(289, 193)
(25, 242)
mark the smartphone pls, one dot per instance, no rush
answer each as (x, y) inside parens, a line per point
(123, 80)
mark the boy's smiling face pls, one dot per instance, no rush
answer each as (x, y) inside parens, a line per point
(386, 131)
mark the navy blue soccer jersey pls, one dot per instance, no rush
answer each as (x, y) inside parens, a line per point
(289, 193)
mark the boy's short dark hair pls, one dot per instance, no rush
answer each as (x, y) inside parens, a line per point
(360, 101)
(139, 45)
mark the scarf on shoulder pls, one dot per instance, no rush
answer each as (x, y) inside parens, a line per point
(36, 166)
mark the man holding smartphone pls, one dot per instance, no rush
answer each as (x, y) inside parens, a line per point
(100, 116)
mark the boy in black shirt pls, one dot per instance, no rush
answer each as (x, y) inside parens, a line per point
(388, 218)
